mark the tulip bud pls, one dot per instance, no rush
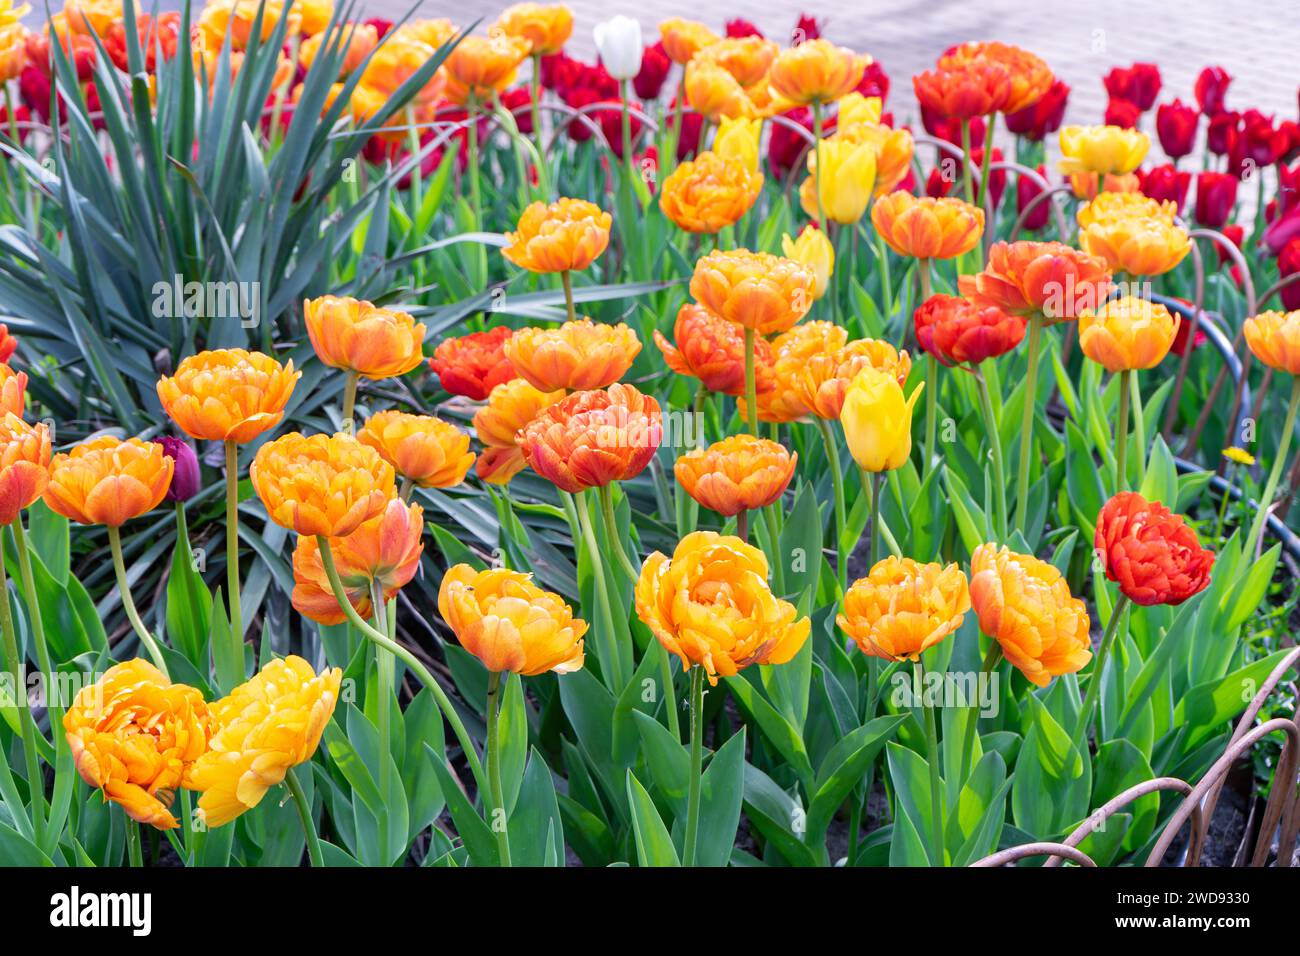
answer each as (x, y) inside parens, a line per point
(814, 250)
(1176, 127)
(618, 40)
(185, 468)
(877, 420)
(1216, 195)
(1211, 87)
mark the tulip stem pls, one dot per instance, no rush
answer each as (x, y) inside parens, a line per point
(406, 657)
(38, 627)
(837, 486)
(1098, 668)
(232, 565)
(985, 158)
(611, 661)
(611, 528)
(937, 857)
(413, 144)
(128, 603)
(697, 759)
(134, 855)
(497, 812)
(384, 682)
(751, 387)
(1275, 474)
(535, 108)
(967, 160)
(817, 163)
(627, 129)
(475, 190)
(995, 451)
(875, 490)
(350, 402)
(27, 725)
(566, 280)
(1139, 424)
(304, 814)
(991, 659)
(1121, 434)
(1027, 422)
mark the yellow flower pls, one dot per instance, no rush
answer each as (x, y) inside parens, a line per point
(1127, 334)
(265, 727)
(373, 341)
(714, 93)
(877, 420)
(1136, 245)
(423, 449)
(566, 234)
(902, 608)
(480, 67)
(1239, 455)
(709, 192)
(325, 484)
(1131, 205)
(1274, 338)
(712, 607)
(745, 58)
(1102, 149)
(816, 71)
(547, 26)
(846, 179)
(509, 623)
(893, 148)
(854, 108)
(683, 39)
(815, 251)
(737, 141)
(756, 290)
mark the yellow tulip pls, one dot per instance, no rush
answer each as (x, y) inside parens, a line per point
(1102, 149)
(877, 420)
(854, 108)
(846, 178)
(814, 250)
(737, 141)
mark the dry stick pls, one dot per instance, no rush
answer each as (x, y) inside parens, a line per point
(1099, 816)
(1012, 854)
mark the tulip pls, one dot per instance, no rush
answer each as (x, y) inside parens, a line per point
(1034, 122)
(424, 450)
(1029, 78)
(1101, 149)
(473, 364)
(756, 290)
(738, 474)
(655, 64)
(1127, 334)
(13, 391)
(185, 481)
(1222, 133)
(134, 736)
(745, 58)
(784, 145)
(8, 344)
(893, 149)
(479, 67)
(815, 251)
(1176, 127)
(618, 40)
(24, 465)
(365, 340)
(710, 193)
(958, 332)
(1025, 605)
(927, 228)
(108, 481)
(1153, 555)
(714, 93)
(1122, 113)
(1139, 84)
(228, 394)
(1034, 215)
(1165, 184)
(1136, 245)
(565, 235)
(710, 348)
(593, 438)
(737, 141)
(576, 356)
(1274, 339)
(902, 608)
(238, 17)
(683, 39)
(323, 485)
(824, 379)
(510, 407)
(1216, 197)
(264, 728)
(546, 27)
(1211, 88)
(841, 181)
(877, 420)
(816, 72)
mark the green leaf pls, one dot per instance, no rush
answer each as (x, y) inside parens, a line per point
(474, 833)
(721, 791)
(843, 768)
(654, 845)
(535, 820)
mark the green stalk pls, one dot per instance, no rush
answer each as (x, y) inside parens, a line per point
(232, 560)
(128, 603)
(475, 189)
(406, 657)
(817, 167)
(991, 659)
(1027, 422)
(1121, 434)
(304, 814)
(611, 529)
(627, 130)
(751, 388)
(498, 824)
(875, 491)
(995, 448)
(936, 787)
(1098, 668)
(837, 485)
(350, 402)
(966, 161)
(27, 725)
(566, 280)
(384, 672)
(38, 626)
(697, 760)
(1275, 474)
(417, 180)
(536, 109)
(133, 853)
(611, 658)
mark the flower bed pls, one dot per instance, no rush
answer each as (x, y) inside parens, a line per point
(671, 460)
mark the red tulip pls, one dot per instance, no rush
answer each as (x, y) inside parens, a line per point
(956, 331)
(874, 81)
(1222, 134)
(1139, 84)
(937, 185)
(1216, 195)
(1034, 122)
(1165, 182)
(949, 129)
(688, 141)
(742, 28)
(807, 28)
(1234, 233)
(1027, 190)
(655, 65)
(784, 146)
(1282, 231)
(520, 98)
(1152, 554)
(1211, 89)
(1176, 127)
(1122, 113)
(1262, 141)
(1288, 263)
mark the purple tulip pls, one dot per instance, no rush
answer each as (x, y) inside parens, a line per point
(185, 473)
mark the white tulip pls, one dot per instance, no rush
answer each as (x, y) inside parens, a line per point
(619, 42)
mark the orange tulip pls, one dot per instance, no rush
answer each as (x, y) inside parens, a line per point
(8, 343)
(372, 341)
(823, 380)
(1026, 606)
(479, 67)
(567, 234)
(1029, 77)
(1137, 245)
(683, 39)
(510, 407)
(1274, 338)
(385, 549)
(546, 26)
(792, 352)
(433, 31)
(394, 62)
(325, 484)
(1127, 334)
(714, 93)
(902, 608)
(712, 349)
(1090, 185)
(756, 290)
(236, 16)
(927, 228)
(577, 355)
(816, 71)
(133, 735)
(709, 193)
(108, 481)
(228, 394)
(24, 465)
(362, 38)
(422, 449)
(712, 607)
(474, 364)
(13, 390)
(739, 473)
(593, 438)
(509, 623)
(966, 90)
(746, 58)
(1023, 278)
(1125, 205)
